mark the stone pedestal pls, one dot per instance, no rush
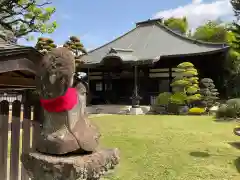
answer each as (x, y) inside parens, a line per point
(237, 131)
(136, 111)
(75, 167)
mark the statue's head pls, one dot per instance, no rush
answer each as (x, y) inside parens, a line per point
(55, 75)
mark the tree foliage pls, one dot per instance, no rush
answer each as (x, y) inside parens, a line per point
(22, 17)
(179, 25)
(74, 44)
(212, 31)
(163, 98)
(236, 7)
(208, 92)
(233, 58)
(44, 45)
(186, 82)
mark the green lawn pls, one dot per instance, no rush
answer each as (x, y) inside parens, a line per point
(171, 147)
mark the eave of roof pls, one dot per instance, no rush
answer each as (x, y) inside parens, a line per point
(206, 47)
(17, 50)
(15, 57)
(10, 48)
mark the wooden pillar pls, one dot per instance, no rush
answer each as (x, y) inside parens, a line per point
(135, 97)
(88, 93)
(170, 79)
(107, 80)
(148, 97)
(103, 83)
(88, 79)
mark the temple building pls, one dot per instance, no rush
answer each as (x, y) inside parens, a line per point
(137, 66)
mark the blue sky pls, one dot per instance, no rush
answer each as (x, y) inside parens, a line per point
(96, 22)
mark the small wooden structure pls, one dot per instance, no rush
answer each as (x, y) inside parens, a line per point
(17, 110)
(142, 61)
(17, 66)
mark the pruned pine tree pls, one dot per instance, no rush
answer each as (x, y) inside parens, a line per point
(44, 45)
(74, 44)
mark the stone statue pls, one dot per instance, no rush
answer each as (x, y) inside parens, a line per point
(65, 127)
(68, 141)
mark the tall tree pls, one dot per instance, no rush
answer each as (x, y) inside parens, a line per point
(22, 17)
(75, 45)
(179, 25)
(212, 31)
(235, 28)
(236, 7)
(233, 78)
(44, 45)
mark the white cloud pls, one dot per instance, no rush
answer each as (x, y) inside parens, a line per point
(198, 12)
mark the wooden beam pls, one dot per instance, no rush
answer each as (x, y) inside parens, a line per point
(159, 70)
(95, 77)
(16, 81)
(17, 65)
(21, 74)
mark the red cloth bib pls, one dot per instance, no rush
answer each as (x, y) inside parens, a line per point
(61, 103)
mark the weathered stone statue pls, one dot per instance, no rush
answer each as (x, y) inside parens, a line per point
(67, 146)
(65, 127)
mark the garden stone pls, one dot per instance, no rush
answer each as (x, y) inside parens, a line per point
(136, 111)
(237, 131)
(183, 110)
(158, 109)
(213, 109)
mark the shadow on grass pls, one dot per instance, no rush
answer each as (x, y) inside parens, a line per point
(224, 120)
(237, 164)
(199, 154)
(235, 144)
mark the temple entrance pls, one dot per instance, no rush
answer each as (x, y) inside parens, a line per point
(163, 85)
(118, 91)
(123, 90)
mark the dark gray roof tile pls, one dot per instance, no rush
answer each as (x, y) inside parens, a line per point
(151, 40)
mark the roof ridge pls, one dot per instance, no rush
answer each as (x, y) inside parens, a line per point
(119, 37)
(149, 21)
(167, 30)
(195, 41)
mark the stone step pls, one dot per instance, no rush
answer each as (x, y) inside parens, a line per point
(113, 109)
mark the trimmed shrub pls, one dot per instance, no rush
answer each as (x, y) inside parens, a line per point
(233, 108)
(197, 111)
(209, 92)
(173, 108)
(186, 81)
(229, 110)
(176, 102)
(178, 98)
(221, 112)
(163, 98)
(157, 109)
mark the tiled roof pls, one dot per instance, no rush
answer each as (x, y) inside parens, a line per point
(150, 40)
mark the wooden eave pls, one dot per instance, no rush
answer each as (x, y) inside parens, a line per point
(18, 67)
